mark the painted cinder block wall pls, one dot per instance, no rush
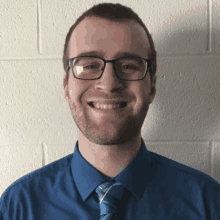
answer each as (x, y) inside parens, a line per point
(36, 126)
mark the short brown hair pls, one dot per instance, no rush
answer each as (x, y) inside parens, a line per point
(112, 12)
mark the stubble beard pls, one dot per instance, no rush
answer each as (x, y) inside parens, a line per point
(106, 133)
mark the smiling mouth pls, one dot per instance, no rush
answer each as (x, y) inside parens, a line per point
(107, 106)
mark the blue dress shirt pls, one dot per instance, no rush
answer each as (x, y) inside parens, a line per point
(157, 188)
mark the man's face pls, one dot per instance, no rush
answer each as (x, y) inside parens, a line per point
(108, 40)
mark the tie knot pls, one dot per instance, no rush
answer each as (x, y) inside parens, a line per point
(110, 194)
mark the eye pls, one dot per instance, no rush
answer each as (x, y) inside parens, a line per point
(90, 67)
(129, 67)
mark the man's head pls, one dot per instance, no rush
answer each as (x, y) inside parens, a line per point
(109, 110)
(117, 13)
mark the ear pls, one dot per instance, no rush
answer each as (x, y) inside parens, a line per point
(153, 88)
(65, 87)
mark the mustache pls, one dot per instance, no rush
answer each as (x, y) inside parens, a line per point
(118, 95)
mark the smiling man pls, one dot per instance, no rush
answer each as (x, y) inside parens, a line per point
(108, 88)
(110, 82)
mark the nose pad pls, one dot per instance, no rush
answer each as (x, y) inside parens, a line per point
(109, 80)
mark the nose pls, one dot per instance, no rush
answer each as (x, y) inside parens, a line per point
(109, 82)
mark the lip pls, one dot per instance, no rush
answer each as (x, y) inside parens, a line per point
(120, 105)
(123, 104)
(107, 102)
(118, 111)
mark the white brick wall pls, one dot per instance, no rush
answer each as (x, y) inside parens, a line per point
(36, 126)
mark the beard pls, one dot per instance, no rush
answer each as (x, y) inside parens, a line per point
(111, 131)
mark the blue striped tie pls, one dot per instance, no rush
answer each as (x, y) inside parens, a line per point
(110, 194)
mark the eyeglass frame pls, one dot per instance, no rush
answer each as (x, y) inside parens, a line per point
(70, 66)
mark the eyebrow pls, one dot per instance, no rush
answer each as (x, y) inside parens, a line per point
(101, 54)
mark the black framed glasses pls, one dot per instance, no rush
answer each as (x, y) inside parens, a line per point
(126, 68)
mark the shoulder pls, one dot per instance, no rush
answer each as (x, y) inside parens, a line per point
(32, 182)
(170, 167)
(183, 177)
(184, 191)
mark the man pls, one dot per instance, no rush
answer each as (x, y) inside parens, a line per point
(110, 81)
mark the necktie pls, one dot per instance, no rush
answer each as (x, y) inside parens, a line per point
(110, 194)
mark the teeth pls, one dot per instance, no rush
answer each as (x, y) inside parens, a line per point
(104, 106)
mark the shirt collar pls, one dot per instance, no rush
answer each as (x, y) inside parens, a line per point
(134, 177)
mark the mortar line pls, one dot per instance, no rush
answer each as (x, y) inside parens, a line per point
(43, 154)
(39, 37)
(29, 58)
(209, 9)
(60, 58)
(177, 141)
(211, 157)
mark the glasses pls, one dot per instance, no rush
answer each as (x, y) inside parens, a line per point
(90, 68)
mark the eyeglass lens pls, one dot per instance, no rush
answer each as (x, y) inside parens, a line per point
(125, 68)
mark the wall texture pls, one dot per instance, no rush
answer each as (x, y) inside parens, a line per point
(36, 126)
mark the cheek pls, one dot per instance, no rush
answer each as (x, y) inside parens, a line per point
(146, 87)
(72, 92)
(77, 91)
(141, 90)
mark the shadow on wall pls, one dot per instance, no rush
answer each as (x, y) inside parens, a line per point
(186, 105)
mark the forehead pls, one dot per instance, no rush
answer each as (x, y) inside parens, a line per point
(108, 38)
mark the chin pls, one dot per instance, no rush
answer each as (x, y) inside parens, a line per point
(104, 138)
(106, 141)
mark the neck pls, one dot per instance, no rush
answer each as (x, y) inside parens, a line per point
(110, 160)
